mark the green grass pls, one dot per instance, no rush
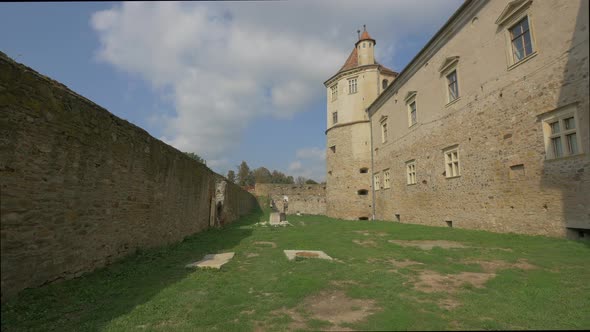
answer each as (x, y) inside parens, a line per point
(152, 291)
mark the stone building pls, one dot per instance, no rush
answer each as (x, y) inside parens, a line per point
(350, 91)
(487, 127)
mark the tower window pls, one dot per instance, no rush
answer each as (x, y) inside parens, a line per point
(364, 170)
(363, 192)
(384, 84)
(334, 89)
(335, 117)
(352, 87)
(333, 148)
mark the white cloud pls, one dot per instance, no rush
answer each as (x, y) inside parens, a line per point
(309, 163)
(223, 64)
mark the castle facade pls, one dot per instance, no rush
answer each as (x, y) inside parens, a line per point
(486, 128)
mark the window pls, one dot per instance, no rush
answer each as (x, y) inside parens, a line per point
(520, 39)
(362, 192)
(561, 137)
(384, 84)
(412, 113)
(335, 118)
(352, 85)
(386, 184)
(334, 91)
(453, 86)
(383, 132)
(452, 168)
(364, 170)
(411, 172)
(333, 148)
(376, 181)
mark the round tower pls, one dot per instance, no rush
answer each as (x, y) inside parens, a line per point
(348, 157)
(365, 48)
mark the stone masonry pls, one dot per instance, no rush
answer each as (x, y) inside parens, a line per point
(81, 188)
(306, 199)
(508, 182)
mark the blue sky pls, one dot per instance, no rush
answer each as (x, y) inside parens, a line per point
(230, 81)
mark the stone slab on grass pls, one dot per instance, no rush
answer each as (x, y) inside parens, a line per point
(213, 261)
(292, 254)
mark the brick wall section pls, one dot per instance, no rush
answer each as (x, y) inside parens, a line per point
(81, 188)
(306, 199)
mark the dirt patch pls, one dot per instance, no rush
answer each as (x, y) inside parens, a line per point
(343, 283)
(493, 266)
(404, 263)
(265, 244)
(333, 307)
(337, 308)
(251, 254)
(428, 244)
(305, 254)
(431, 281)
(369, 233)
(366, 243)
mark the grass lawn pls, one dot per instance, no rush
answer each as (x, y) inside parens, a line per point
(467, 280)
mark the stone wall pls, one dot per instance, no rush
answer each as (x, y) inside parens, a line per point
(507, 182)
(348, 162)
(81, 188)
(306, 199)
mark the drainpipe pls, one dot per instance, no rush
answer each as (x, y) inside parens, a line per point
(372, 164)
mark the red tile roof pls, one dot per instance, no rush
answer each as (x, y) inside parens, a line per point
(352, 62)
(365, 35)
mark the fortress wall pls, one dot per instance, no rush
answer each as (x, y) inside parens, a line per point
(81, 188)
(306, 199)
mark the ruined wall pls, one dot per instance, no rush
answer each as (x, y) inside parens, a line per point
(306, 199)
(507, 183)
(81, 188)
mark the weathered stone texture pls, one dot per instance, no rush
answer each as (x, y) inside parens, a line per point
(506, 182)
(306, 199)
(344, 179)
(81, 188)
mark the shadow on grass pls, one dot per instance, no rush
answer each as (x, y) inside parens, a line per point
(90, 302)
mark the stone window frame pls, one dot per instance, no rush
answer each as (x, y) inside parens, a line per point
(450, 65)
(452, 162)
(334, 91)
(515, 12)
(334, 117)
(411, 99)
(353, 85)
(411, 172)
(559, 116)
(386, 178)
(376, 181)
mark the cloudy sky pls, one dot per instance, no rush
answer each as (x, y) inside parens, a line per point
(230, 81)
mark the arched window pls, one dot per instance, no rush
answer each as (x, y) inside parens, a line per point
(384, 83)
